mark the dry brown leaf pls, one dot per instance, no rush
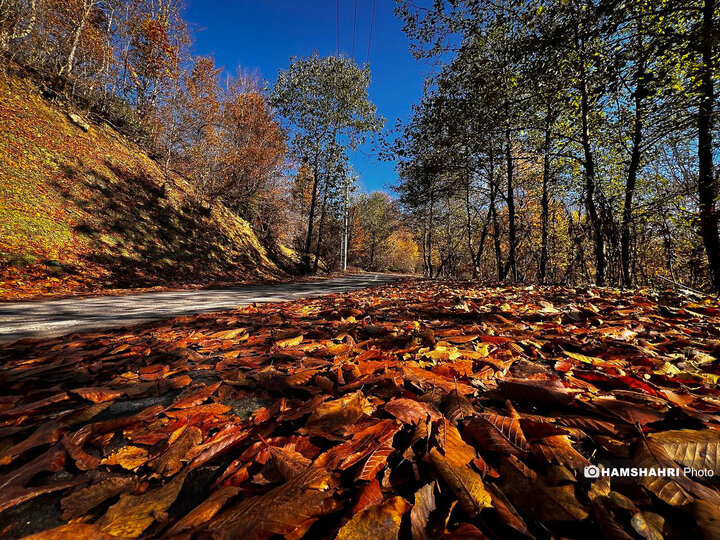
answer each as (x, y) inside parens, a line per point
(128, 457)
(205, 511)
(558, 449)
(375, 462)
(699, 450)
(674, 491)
(501, 434)
(379, 522)
(132, 514)
(82, 501)
(170, 461)
(420, 513)
(292, 505)
(410, 411)
(467, 485)
(339, 413)
(74, 531)
(288, 461)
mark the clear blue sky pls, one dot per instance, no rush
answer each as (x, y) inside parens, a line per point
(262, 35)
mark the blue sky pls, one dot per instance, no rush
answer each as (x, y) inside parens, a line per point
(262, 35)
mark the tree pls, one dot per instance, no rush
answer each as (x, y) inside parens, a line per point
(325, 102)
(378, 219)
(17, 20)
(578, 102)
(152, 46)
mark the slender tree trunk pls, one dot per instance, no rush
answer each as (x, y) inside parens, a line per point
(496, 232)
(311, 211)
(67, 67)
(544, 202)
(590, 185)
(430, 234)
(468, 224)
(424, 248)
(483, 238)
(318, 246)
(633, 167)
(707, 183)
(669, 252)
(511, 264)
(494, 216)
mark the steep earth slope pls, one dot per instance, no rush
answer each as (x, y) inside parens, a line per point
(84, 211)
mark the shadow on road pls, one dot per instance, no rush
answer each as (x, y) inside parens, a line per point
(58, 317)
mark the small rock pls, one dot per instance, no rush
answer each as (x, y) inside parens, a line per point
(79, 121)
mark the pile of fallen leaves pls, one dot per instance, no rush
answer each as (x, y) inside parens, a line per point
(414, 411)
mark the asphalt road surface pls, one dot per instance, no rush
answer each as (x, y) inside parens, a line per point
(51, 318)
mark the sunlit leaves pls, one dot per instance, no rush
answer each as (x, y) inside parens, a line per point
(355, 426)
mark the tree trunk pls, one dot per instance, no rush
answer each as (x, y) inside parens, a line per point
(468, 224)
(426, 270)
(318, 245)
(707, 184)
(67, 67)
(512, 232)
(311, 211)
(496, 233)
(633, 167)
(544, 202)
(430, 228)
(589, 163)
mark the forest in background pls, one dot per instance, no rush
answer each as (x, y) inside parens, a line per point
(557, 141)
(278, 157)
(565, 141)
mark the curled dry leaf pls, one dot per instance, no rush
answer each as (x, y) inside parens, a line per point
(369, 495)
(380, 521)
(132, 514)
(128, 457)
(558, 449)
(410, 411)
(375, 462)
(420, 513)
(82, 501)
(497, 433)
(467, 485)
(205, 511)
(339, 413)
(170, 461)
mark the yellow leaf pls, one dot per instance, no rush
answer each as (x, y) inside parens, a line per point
(128, 457)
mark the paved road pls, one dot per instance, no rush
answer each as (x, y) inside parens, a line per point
(50, 318)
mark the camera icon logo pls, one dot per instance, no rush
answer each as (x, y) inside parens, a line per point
(591, 471)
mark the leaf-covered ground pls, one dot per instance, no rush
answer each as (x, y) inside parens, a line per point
(82, 212)
(418, 410)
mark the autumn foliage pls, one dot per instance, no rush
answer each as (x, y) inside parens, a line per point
(85, 212)
(413, 410)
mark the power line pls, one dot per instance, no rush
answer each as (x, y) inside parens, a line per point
(372, 23)
(337, 42)
(354, 27)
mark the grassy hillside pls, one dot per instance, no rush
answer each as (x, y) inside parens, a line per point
(82, 211)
